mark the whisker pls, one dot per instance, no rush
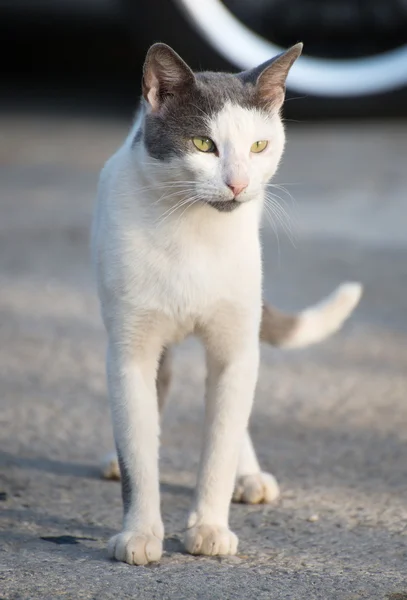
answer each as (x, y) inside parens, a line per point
(193, 201)
(273, 200)
(272, 183)
(167, 213)
(166, 197)
(283, 200)
(282, 217)
(163, 185)
(178, 187)
(273, 226)
(281, 188)
(173, 209)
(202, 111)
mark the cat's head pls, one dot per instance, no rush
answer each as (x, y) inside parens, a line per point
(219, 133)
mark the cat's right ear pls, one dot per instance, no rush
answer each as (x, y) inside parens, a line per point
(269, 78)
(164, 74)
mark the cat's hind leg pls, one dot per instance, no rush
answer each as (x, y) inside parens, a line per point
(253, 486)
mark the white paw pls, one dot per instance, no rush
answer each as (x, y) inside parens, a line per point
(210, 540)
(135, 548)
(256, 489)
(110, 467)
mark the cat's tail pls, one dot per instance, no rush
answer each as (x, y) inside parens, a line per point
(313, 324)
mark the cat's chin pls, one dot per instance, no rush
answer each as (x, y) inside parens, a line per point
(224, 205)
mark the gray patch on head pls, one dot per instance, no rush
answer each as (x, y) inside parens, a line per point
(138, 137)
(186, 115)
(125, 483)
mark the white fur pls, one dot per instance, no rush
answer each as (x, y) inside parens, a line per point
(323, 319)
(235, 129)
(165, 272)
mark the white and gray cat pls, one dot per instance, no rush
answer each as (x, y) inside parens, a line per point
(177, 252)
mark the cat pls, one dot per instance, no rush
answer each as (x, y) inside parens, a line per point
(176, 248)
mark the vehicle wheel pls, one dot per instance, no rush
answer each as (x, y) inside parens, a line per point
(355, 59)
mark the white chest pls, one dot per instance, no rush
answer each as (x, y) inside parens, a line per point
(181, 270)
(187, 277)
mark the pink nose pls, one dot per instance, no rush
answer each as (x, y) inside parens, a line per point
(237, 187)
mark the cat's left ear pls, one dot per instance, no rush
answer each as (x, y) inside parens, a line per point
(164, 74)
(270, 77)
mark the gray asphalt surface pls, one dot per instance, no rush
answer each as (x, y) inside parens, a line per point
(330, 422)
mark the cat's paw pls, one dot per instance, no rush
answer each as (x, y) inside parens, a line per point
(135, 548)
(109, 468)
(255, 489)
(211, 540)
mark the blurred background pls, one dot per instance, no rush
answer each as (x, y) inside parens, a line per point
(71, 51)
(331, 421)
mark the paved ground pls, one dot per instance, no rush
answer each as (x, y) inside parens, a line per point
(330, 422)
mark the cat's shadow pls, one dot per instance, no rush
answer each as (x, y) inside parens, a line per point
(176, 489)
(83, 470)
(49, 465)
(174, 545)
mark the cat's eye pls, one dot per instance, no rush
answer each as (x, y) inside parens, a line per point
(204, 144)
(259, 146)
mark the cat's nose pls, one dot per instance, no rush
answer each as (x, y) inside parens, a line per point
(237, 187)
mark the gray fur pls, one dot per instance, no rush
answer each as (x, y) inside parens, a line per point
(138, 137)
(125, 483)
(169, 132)
(225, 206)
(188, 101)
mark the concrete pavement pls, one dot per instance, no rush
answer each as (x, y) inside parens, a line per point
(330, 422)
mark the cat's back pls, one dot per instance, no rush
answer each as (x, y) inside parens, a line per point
(115, 196)
(116, 178)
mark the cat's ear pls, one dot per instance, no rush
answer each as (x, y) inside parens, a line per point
(270, 77)
(164, 74)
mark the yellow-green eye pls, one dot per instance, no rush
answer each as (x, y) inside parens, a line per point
(204, 144)
(259, 146)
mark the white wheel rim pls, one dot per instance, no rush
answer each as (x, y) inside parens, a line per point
(316, 76)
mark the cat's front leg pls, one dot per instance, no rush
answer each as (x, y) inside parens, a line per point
(233, 357)
(133, 400)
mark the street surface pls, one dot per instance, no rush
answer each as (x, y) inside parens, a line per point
(330, 421)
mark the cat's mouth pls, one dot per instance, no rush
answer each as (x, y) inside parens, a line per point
(224, 205)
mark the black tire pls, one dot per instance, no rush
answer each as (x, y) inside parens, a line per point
(165, 21)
